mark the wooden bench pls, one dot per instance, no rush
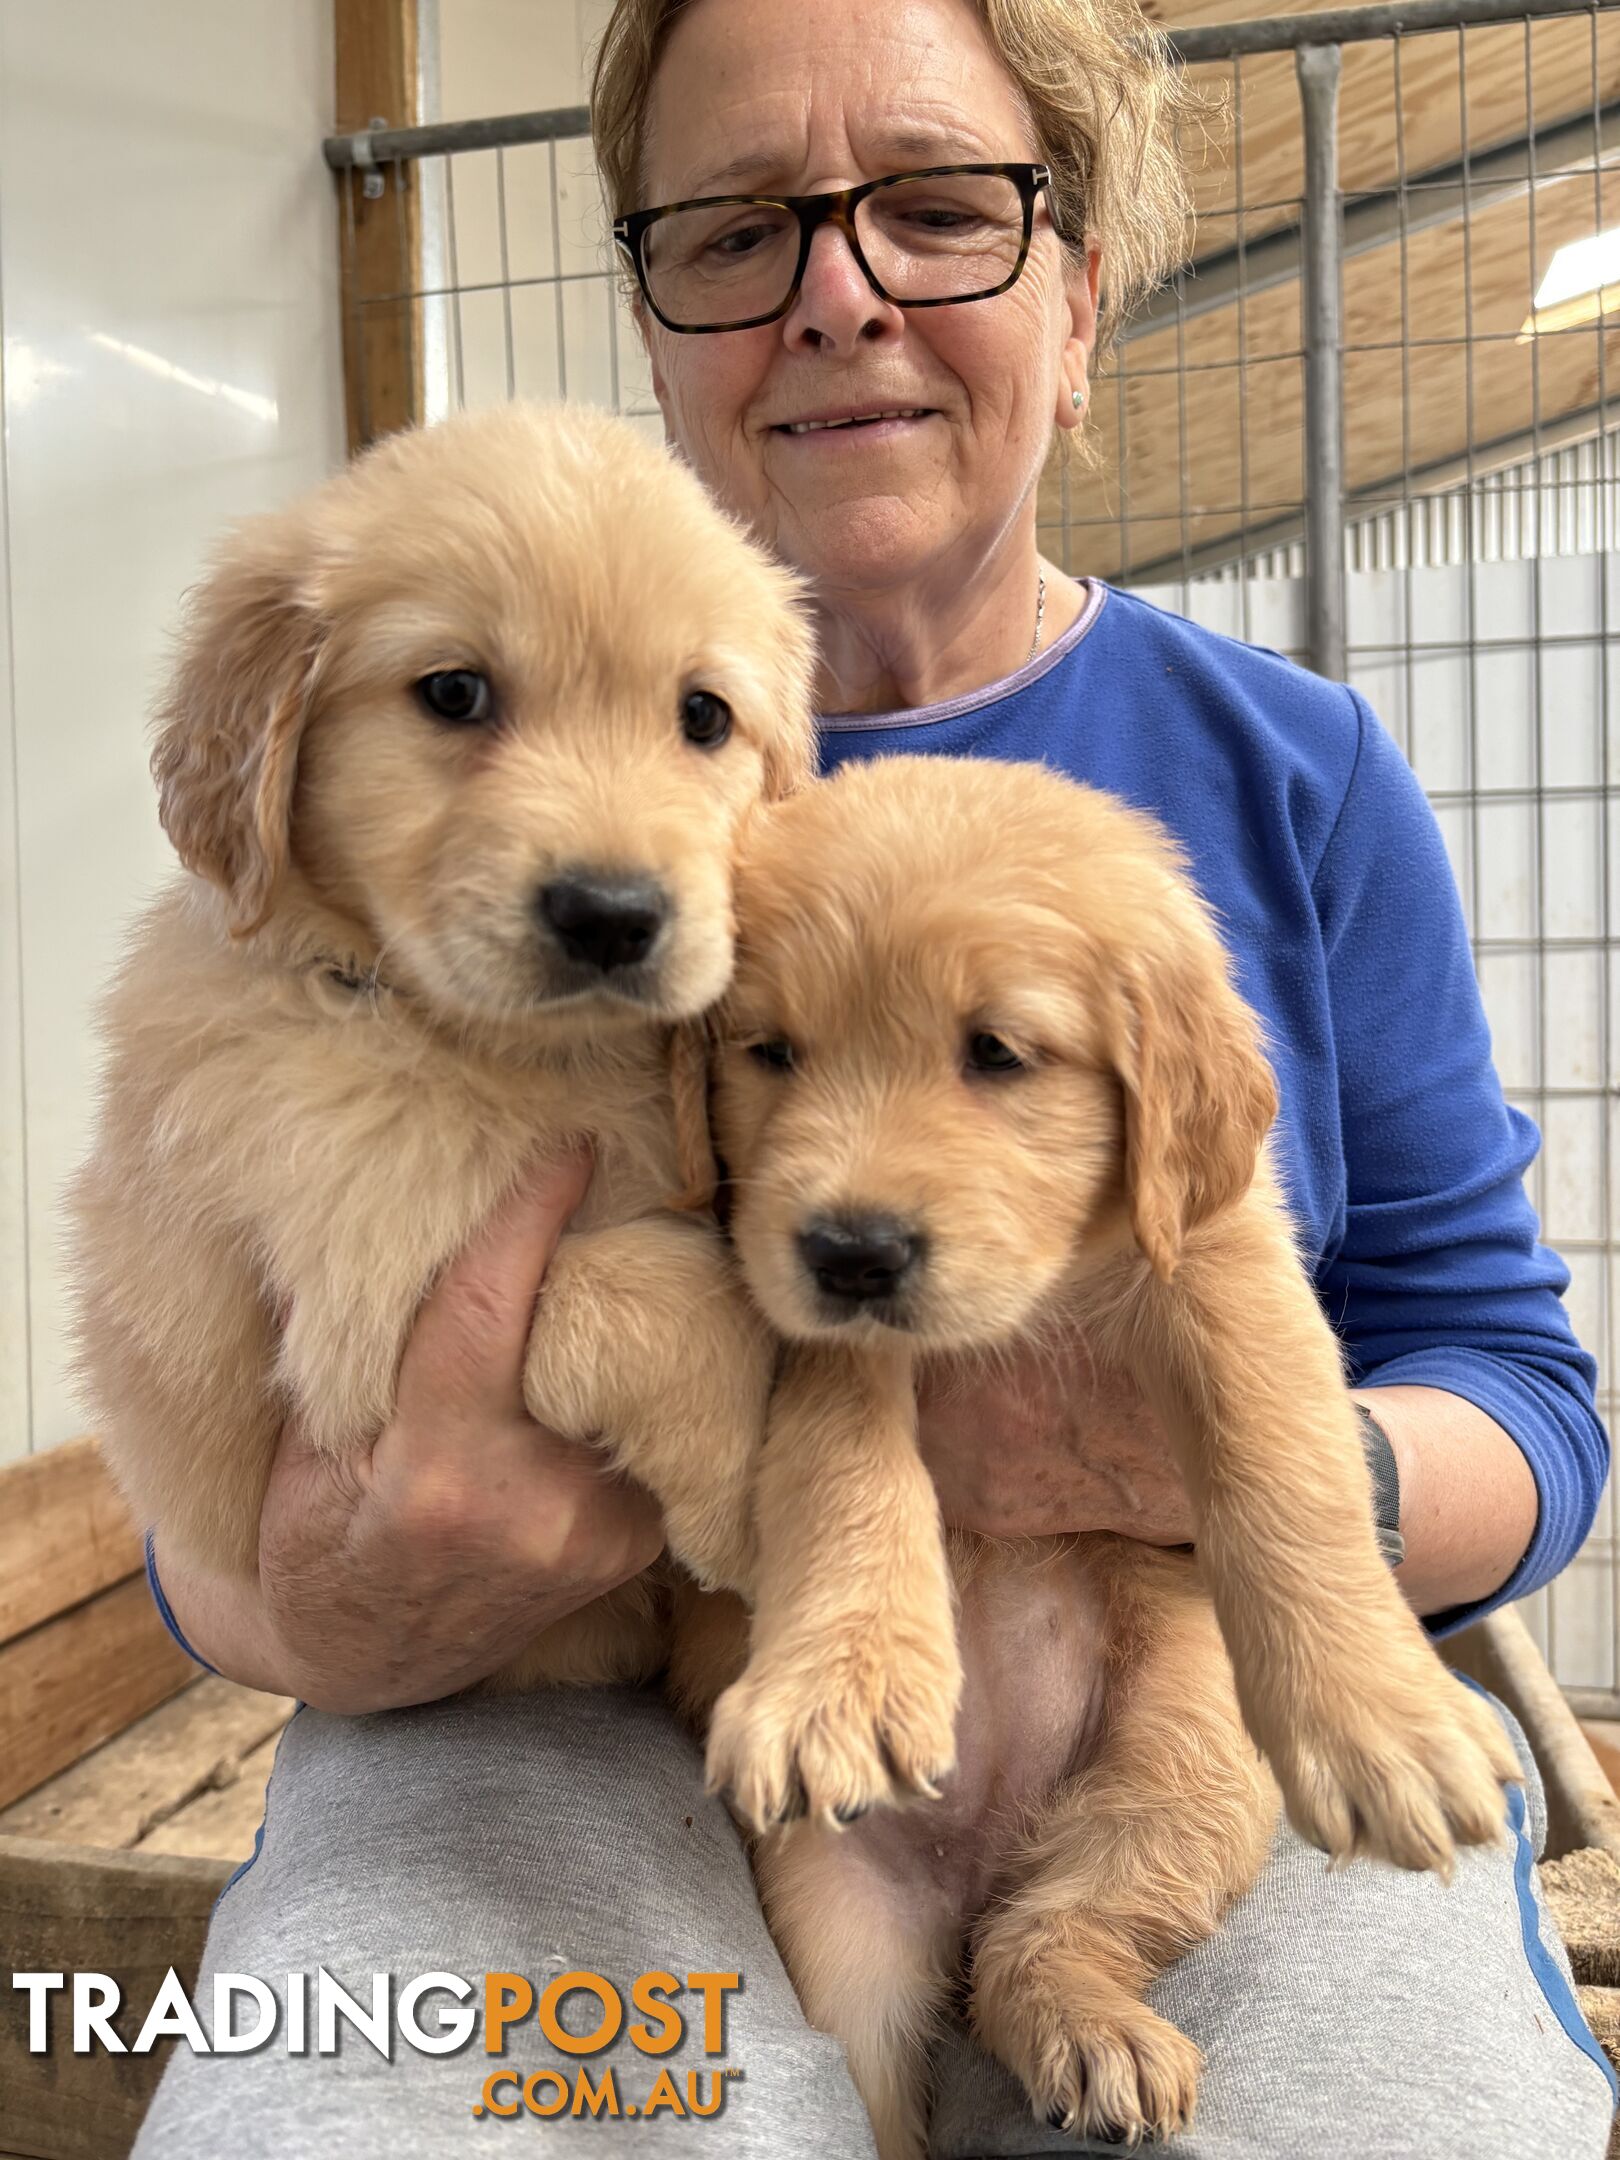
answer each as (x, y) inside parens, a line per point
(130, 1788)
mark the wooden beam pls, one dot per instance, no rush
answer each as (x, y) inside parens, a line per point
(64, 1535)
(1492, 84)
(222, 1824)
(74, 1682)
(379, 236)
(130, 1915)
(143, 1783)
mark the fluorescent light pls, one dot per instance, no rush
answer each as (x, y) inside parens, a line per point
(1582, 286)
(1584, 266)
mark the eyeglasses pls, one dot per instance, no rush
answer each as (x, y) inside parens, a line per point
(936, 238)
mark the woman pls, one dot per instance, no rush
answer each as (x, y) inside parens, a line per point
(1369, 2012)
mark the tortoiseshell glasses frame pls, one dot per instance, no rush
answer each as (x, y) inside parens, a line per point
(837, 207)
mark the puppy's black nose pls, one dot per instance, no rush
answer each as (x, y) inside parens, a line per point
(859, 1256)
(607, 922)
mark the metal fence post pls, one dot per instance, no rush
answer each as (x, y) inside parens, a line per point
(1322, 261)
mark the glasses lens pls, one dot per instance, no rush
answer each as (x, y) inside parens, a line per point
(952, 237)
(725, 263)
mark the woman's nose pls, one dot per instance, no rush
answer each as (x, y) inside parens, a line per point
(836, 305)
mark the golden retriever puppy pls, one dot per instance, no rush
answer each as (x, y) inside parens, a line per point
(983, 1078)
(454, 756)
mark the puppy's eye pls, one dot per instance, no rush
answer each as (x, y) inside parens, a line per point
(705, 719)
(775, 1055)
(987, 1053)
(460, 696)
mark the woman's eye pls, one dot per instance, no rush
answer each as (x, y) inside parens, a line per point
(987, 1053)
(705, 719)
(942, 221)
(460, 696)
(742, 241)
(775, 1055)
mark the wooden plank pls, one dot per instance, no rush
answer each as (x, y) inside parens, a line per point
(132, 1916)
(1494, 78)
(67, 1686)
(220, 1825)
(64, 1534)
(1604, 1735)
(379, 238)
(195, 1744)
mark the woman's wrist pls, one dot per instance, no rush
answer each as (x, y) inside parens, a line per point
(221, 1620)
(229, 1624)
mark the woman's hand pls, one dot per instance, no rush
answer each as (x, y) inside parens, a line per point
(1050, 1445)
(406, 1573)
(1047, 1444)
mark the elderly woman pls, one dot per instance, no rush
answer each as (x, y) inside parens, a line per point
(876, 395)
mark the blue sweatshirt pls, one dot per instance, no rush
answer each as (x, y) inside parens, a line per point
(1311, 837)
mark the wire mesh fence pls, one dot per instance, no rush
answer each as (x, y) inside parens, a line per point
(1370, 424)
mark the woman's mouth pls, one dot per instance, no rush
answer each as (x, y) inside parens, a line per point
(889, 420)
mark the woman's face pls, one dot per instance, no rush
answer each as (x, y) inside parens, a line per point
(760, 96)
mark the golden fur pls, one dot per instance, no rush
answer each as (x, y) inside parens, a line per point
(1105, 1804)
(340, 1038)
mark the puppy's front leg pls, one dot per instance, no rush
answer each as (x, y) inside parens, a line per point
(850, 1694)
(1377, 1748)
(645, 1343)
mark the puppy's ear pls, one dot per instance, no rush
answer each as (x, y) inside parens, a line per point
(1199, 1094)
(227, 735)
(694, 1145)
(790, 754)
(787, 768)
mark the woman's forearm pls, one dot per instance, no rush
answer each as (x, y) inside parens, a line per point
(1468, 1496)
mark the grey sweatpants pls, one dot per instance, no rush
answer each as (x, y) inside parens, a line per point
(1368, 2014)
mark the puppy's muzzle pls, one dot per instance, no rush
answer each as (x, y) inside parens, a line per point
(603, 921)
(859, 1259)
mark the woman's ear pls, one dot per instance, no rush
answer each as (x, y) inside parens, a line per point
(1074, 373)
(689, 1045)
(228, 730)
(1200, 1096)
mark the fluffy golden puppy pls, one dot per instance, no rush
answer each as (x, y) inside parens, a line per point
(454, 755)
(983, 1078)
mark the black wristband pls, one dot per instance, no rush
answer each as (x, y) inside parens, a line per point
(1386, 1480)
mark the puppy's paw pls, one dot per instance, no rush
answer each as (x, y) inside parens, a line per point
(832, 1728)
(1396, 1760)
(1103, 2066)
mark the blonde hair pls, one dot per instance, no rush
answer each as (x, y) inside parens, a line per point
(1105, 96)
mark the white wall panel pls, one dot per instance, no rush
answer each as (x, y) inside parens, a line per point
(168, 288)
(533, 213)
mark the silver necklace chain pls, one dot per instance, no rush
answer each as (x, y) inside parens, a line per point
(1040, 611)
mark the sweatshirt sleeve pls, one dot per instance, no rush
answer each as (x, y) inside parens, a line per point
(1439, 1279)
